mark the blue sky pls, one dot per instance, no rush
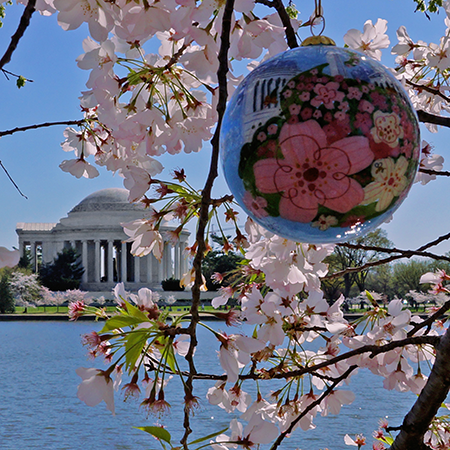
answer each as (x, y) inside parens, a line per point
(47, 55)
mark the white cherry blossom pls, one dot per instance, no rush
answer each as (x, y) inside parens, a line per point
(371, 40)
(96, 386)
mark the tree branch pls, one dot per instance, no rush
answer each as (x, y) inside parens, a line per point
(204, 207)
(402, 254)
(317, 402)
(430, 320)
(15, 38)
(372, 349)
(41, 125)
(435, 172)
(433, 118)
(12, 180)
(431, 90)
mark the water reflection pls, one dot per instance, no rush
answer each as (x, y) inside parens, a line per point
(39, 408)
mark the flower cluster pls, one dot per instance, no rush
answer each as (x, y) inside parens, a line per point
(423, 69)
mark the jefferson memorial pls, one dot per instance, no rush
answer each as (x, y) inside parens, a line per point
(93, 228)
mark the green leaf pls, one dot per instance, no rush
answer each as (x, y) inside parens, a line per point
(136, 312)
(210, 436)
(120, 321)
(21, 81)
(157, 432)
(387, 439)
(169, 356)
(134, 343)
(134, 78)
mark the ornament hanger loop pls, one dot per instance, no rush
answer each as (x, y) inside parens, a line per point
(317, 18)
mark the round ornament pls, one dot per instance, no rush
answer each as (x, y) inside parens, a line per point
(320, 144)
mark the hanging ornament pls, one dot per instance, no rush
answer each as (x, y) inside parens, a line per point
(320, 144)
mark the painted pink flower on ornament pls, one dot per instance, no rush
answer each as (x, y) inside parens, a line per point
(327, 94)
(387, 128)
(313, 172)
(255, 205)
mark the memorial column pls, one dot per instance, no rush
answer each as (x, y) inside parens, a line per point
(123, 262)
(176, 263)
(137, 269)
(97, 261)
(110, 261)
(33, 255)
(84, 260)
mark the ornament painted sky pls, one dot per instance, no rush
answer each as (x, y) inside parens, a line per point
(320, 144)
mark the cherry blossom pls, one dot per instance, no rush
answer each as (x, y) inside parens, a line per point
(371, 40)
(145, 239)
(73, 13)
(79, 168)
(96, 386)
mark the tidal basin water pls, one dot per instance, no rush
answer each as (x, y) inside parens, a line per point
(39, 408)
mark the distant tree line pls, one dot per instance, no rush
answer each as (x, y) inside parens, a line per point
(393, 279)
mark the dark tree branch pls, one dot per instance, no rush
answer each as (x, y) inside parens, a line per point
(373, 350)
(419, 418)
(12, 181)
(380, 262)
(400, 254)
(41, 125)
(430, 89)
(15, 38)
(433, 118)
(204, 208)
(430, 320)
(435, 172)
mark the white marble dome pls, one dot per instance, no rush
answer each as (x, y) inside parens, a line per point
(111, 199)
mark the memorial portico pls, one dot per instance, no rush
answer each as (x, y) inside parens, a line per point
(93, 228)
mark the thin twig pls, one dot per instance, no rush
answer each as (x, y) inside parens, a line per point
(435, 172)
(401, 254)
(41, 125)
(317, 402)
(12, 181)
(431, 90)
(7, 72)
(15, 38)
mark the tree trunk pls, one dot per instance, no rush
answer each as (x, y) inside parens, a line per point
(417, 421)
